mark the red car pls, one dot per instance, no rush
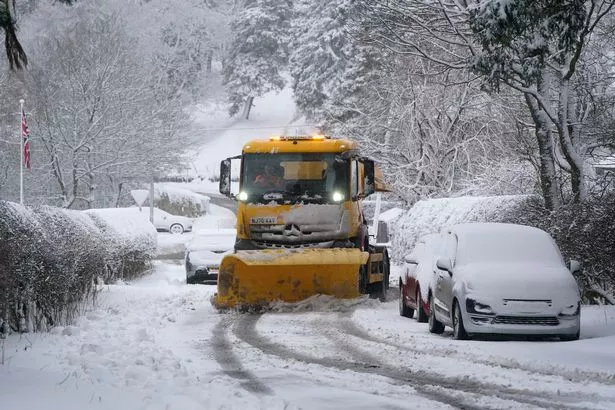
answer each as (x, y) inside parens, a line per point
(415, 278)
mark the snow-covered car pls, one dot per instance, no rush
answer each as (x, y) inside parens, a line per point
(205, 252)
(494, 278)
(415, 278)
(166, 222)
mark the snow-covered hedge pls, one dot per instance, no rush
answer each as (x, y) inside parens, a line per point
(585, 232)
(51, 259)
(180, 201)
(431, 215)
(129, 239)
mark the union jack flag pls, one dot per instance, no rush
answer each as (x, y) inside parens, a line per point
(25, 134)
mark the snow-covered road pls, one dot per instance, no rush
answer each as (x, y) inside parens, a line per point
(159, 344)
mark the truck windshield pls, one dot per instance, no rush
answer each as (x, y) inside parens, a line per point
(292, 178)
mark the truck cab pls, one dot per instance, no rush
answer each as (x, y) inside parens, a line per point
(302, 191)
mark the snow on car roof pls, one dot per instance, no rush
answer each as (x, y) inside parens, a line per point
(499, 242)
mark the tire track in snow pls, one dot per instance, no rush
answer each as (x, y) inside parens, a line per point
(433, 386)
(230, 363)
(245, 329)
(342, 326)
(580, 376)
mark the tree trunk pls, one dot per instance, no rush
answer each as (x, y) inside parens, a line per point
(248, 107)
(119, 194)
(573, 157)
(548, 178)
(208, 61)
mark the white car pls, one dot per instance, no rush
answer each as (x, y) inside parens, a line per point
(205, 252)
(494, 278)
(166, 222)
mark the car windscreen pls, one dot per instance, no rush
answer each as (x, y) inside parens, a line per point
(291, 178)
(508, 247)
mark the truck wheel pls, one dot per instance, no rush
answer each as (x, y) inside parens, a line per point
(363, 285)
(384, 286)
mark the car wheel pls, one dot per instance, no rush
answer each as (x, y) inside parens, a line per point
(176, 229)
(404, 310)
(459, 331)
(570, 338)
(421, 316)
(435, 326)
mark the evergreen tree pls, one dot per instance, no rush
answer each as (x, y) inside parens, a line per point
(259, 51)
(331, 66)
(320, 53)
(14, 51)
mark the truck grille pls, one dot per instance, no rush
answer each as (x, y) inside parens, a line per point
(527, 320)
(293, 234)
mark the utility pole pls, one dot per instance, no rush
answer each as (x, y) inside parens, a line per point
(21, 102)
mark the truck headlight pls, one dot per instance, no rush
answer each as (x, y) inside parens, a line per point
(337, 196)
(242, 196)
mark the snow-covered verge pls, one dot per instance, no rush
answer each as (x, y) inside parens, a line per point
(51, 259)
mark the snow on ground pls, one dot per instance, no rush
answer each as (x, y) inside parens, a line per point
(157, 343)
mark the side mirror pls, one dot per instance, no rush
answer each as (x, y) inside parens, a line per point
(225, 177)
(575, 266)
(445, 264)
(370, 179)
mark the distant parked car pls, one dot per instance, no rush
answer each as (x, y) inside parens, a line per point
(503, 279)
(204, 254)
(415, 278)
(166, 222)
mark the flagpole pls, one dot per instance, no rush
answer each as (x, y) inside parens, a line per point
(21, 154)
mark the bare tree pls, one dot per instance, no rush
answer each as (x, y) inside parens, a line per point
(101, 113)
(538, 48)
(431, 131)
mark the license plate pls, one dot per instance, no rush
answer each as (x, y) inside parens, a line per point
(263, 220)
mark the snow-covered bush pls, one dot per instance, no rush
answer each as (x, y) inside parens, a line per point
(51, 259)
(180, 201)
(130, 241)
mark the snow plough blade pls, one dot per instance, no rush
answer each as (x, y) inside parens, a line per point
(254, 279)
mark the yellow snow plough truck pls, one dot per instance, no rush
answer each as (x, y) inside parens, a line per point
(301, 230)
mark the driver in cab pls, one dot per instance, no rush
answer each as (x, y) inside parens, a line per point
(270, 178)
